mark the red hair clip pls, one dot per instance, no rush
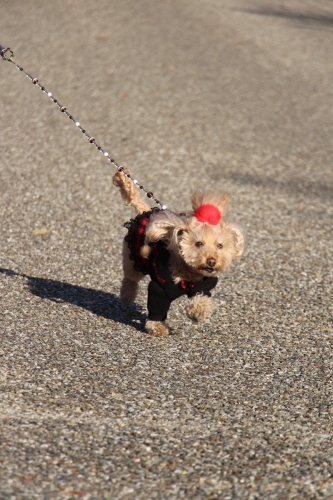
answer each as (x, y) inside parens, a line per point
(208, 213)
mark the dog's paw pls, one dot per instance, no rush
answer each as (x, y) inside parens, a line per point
(198, 307)
(157, 328)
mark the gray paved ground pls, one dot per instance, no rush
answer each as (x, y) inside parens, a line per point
(230, 94)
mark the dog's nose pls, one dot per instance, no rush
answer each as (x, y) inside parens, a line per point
(211, 262)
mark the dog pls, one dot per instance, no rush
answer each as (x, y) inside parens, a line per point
(181, 252)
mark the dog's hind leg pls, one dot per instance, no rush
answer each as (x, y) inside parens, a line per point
(129, 192)
(128, 291)
(130, 283)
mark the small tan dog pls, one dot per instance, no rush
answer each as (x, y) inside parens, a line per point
(182, 253)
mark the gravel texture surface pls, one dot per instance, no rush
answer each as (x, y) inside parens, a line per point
(226, 94)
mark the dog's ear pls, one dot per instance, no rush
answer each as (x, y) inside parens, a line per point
(164, 225)
(219, 200)
(180, 232)
(238, 236)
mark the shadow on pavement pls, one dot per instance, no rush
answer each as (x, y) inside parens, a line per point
(306, 19)
(96, 301)
(296, 187)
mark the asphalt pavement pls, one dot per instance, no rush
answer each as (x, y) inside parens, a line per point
(232, 95)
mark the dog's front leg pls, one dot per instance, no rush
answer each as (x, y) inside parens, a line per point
(158, 307)
(198, 307)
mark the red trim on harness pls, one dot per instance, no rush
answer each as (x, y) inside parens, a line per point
(186, 284)
(154, 264)
(136, 240)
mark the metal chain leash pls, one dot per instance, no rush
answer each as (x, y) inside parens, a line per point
(7, 55)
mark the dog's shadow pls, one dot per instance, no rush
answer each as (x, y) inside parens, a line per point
(97, 302)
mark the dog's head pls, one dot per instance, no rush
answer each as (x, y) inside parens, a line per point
(204, 241)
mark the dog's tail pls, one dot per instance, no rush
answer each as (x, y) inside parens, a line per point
(129, 192)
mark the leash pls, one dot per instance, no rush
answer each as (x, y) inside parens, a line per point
(7, 55)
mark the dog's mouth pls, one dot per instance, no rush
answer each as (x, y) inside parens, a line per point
(209, 270)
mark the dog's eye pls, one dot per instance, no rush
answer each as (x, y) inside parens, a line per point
(219, 245)
(199, 244)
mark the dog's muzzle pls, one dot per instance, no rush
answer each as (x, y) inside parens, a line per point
(211, 263)
(209, 269)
